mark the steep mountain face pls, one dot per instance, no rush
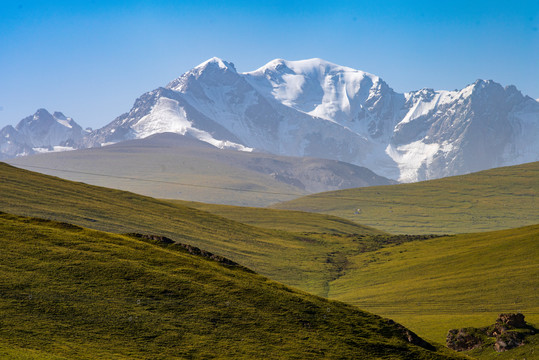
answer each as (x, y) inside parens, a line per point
(319, 109)
(41, 132)
(360, 108)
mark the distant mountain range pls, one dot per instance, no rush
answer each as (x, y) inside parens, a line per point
(319, 109)
(41, 132)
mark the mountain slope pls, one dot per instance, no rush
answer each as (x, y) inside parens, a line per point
(319, 109)
(315, 108)
(40, 132)
(178, 167)
(488, 200)
(77, 293)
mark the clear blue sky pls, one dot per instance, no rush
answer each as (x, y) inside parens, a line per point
(92, 59)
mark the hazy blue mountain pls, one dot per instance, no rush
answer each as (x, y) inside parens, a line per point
(38, 133)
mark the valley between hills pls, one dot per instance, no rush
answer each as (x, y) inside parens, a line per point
(72, 278)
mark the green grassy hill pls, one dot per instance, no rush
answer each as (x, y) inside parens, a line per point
(437, 284)
(494, 199)
(299, 260)
(67, 292)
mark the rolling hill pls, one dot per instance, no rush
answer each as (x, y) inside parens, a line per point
(431, 285)
(179, 167)
(295, 259)
(286, 220)
(488, 200)
(69, 292)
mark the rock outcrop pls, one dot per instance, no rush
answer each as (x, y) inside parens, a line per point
(193, 250)
(509, 331)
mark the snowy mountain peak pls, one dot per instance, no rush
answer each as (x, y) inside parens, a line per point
(215, 62)
(43, 119)
(479, 86)
(39, 115)
(317, 87)
(212, 71)
(492, 86)
(489, 91)
(41, 111)
(309, 66)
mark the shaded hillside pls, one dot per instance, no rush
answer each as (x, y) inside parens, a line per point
(488, 200)
(178, 167)
(69, 292)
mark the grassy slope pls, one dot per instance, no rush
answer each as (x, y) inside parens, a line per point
(451, 282)
(292, 221)
(488, 200)
(69, 292)
(294, 259)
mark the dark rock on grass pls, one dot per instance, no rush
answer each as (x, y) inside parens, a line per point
(163, 240)
(411, 337)
(196, 251)
(156, 238)
(509, 331)
(512, 320)
(464, 339)
(509, 340)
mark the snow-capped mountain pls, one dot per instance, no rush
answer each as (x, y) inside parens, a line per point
(482, 126)
(41, 132)
(319, 109)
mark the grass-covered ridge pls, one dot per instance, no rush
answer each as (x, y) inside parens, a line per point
(69, 292)
(494, 199)
(287, 220)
